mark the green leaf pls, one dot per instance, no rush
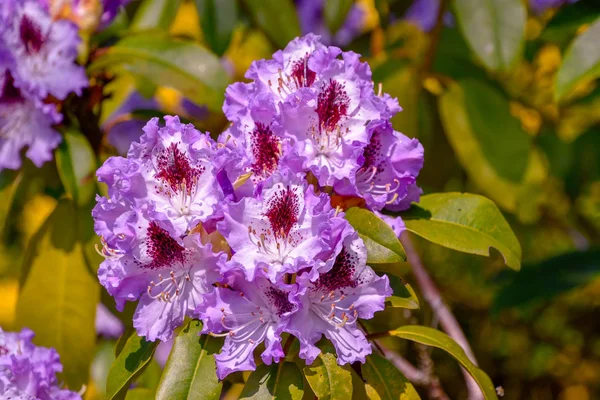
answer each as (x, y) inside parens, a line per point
(465, 222)
(581, 62)
(76, 164)
(432, 337)
(503, 142)
(382, 244)
(470, 151)
(182, 65)
(494, 29)
(135, 354)
(217, 20)
(549, 278)
(335, 13)
(59, 297)
(155, 14)
(139, 394)
(406, 298)
(282, 381)
(329, 380)
(277, 18)
(190, 372)
(385, 382)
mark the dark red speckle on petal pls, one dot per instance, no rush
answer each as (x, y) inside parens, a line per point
(283, 212)
(279, 299)
(372, 152)
(162, 248)
(174, 169)
(265, 149)
(332, 105)
(303, 76)
(31, 35)
(9, 93)
(341, 275)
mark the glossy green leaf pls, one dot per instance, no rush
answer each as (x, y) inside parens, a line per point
(182, 65)
(155, 14)
(282, 381)
(382, 244)
(465, 222)
(135, 354)
(276, 17)
(335, 13)
(494, 29)
(190, 372)
(503, 142)
(76, 164)
(217, 20)
(433, 337)
(406, 298)
(581, 62)
(385, 382)
(549, 278)
(58, 299)
(470, 151)
(139, 394)
(327, 379)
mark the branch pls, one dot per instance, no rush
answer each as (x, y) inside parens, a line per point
(435, 39)
(447, 320)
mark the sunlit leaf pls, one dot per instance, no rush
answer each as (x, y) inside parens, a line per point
(432, 337)
(190, 372)
(335, 13)
(59, 296)
(549, 279)
(139, 394)
(470, 153)
(494, 29)
(182, 65)
(327, 379)
(281, 381)
(135, 354)
(581, 62)
(503, 142)
(155, 14)
(406, 298)
(276, 17)
(385, 382)
(76, 164)
(382, 243)
(217, 20)
(465, 222)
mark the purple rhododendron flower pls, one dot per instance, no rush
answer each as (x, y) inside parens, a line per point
(249, 313)
(44, 52)
(158, 196)
(280, 231)
(171, 168)
(332, 304)
(37, 59)
(24, 122)
(241, 233)
(28, 371)
(423, 13)
(542, 5)
(387, 177)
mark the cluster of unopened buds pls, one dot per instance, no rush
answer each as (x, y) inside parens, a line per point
(240, 232)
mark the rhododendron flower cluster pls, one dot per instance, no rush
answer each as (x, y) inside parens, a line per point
(28, 371)
(241, 232)
(37, 68)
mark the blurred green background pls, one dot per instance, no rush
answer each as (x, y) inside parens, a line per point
(517, 121)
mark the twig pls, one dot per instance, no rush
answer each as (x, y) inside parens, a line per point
(447, 320)
(434, 389)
